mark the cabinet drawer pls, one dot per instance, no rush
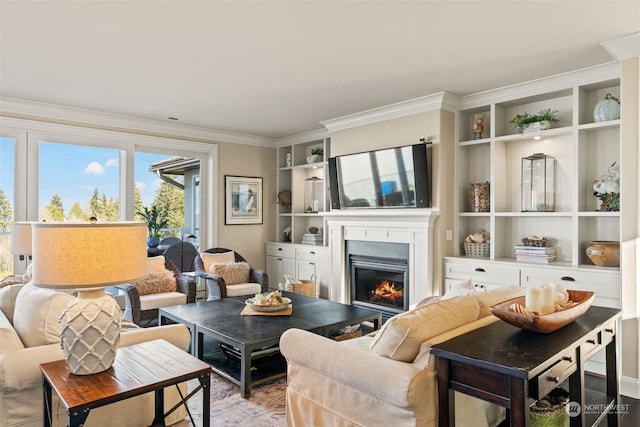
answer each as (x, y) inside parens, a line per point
(319, 254)
(286, 251)
(552, 377)
(481, 272)
(591, 345)
(605, 285)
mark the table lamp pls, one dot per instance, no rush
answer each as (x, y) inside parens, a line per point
(89, 257)
(21, 238)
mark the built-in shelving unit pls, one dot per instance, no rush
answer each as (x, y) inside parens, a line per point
(583, 150)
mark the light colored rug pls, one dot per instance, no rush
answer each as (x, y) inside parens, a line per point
(264, 408)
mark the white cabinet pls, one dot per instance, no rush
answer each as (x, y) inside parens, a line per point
(488, 275)
(313, 262)
(296, 166)
(281, 260)
(300, 262)
(583, 149)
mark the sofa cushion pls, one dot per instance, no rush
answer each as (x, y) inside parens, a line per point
(37, 315)
(156, 263)
(210, 260)
(240, 289)
(489, 298)
(232, 272)
(8, 296)
(401, 336)
(153, 301)
(156, 282)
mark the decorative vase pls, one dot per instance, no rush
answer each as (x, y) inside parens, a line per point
(607, 109)
(153, 242)
(604, 254)
(314, 158)
(537, 126)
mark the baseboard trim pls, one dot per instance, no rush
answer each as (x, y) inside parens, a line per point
(630, 387)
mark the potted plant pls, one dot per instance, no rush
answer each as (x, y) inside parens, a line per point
(316, 155)
(156, 220)
(535, 122)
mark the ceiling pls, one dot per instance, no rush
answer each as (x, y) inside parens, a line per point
(278, 68)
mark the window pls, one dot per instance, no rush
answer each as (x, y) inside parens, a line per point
(7, 168)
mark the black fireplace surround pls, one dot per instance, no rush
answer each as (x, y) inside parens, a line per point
(379, 276)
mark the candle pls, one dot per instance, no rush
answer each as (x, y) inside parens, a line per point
(533, 300)
(547, 299)
(316, 205)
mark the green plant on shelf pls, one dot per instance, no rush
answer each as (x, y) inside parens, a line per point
(522, 121)
(317, 151)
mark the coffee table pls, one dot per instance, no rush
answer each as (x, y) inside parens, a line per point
(253, 340)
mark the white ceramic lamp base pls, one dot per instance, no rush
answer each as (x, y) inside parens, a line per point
(90, 331)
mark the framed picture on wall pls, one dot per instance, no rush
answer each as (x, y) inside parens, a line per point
(243, 200)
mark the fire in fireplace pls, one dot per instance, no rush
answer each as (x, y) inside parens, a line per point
(379, 276)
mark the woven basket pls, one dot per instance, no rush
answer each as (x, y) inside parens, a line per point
(348, 335)
(307, 287)
(476, 249)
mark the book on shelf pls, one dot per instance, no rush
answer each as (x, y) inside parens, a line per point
(535, 249)
(536, 258)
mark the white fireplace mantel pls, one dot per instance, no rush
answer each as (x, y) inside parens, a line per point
(411, 226)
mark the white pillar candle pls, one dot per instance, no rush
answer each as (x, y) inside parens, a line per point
(533, 300)
(547, 299)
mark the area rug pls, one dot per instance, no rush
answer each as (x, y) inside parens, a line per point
(264, 408)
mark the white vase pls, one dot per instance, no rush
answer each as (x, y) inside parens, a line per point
(90, 327)
(537, 126)
(314, 158)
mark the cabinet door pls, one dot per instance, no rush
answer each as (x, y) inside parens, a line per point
(277, 267)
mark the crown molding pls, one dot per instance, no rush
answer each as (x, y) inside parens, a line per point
(558, 82)
(77, 116)
(437, 101)
(622, 48)
(312, 135)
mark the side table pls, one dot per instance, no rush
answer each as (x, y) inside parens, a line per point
(513, 368)
(137, 369)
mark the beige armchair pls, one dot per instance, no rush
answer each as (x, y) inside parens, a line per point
(164, 286)
(221, 268)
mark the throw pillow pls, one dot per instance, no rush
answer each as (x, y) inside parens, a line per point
(156, 282)
(210, 260)
(37, 315)
(401, 336)
(156, 263)
(8, 296)
(232, 272)
(489, 298)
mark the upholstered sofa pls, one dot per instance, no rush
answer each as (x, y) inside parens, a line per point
(387, 377)
(29, 336)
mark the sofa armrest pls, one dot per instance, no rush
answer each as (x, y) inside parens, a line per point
(216, 286)
(354, 367)
(176, 334)
(187, 286)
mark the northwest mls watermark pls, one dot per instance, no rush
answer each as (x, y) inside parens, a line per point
(574, 408)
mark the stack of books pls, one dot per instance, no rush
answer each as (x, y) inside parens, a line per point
(543, 254)
(312, 239)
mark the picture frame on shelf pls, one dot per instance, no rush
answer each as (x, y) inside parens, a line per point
(243, 200)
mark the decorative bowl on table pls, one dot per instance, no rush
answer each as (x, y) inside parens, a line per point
(580, 301)
(255, 305)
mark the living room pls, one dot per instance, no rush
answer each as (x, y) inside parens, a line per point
(234, 139)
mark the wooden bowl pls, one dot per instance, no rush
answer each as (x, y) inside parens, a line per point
(545, 323)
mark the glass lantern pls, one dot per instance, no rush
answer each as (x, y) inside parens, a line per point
(538, 183)
(313, 188)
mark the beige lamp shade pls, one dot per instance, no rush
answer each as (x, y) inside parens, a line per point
(86, 255)
(21, 238)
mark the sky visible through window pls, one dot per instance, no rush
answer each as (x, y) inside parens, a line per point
(74, 171)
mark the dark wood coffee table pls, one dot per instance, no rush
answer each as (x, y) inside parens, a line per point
(253, 340)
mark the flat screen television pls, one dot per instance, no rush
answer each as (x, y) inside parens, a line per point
(397, 177)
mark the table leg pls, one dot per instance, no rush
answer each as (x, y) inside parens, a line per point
(205, 381)
(245, 372)
(158, 419)
(46, 413)
(613, 393)
(446, 416)
(518, 401)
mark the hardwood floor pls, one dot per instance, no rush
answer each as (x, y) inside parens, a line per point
(629, 408)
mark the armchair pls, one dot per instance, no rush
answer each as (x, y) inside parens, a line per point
(221, 284)
(142, 303)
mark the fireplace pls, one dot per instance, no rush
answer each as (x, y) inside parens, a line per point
(379, 276)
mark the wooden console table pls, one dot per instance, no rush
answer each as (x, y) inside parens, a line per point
(513, 368)
(137, 369)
